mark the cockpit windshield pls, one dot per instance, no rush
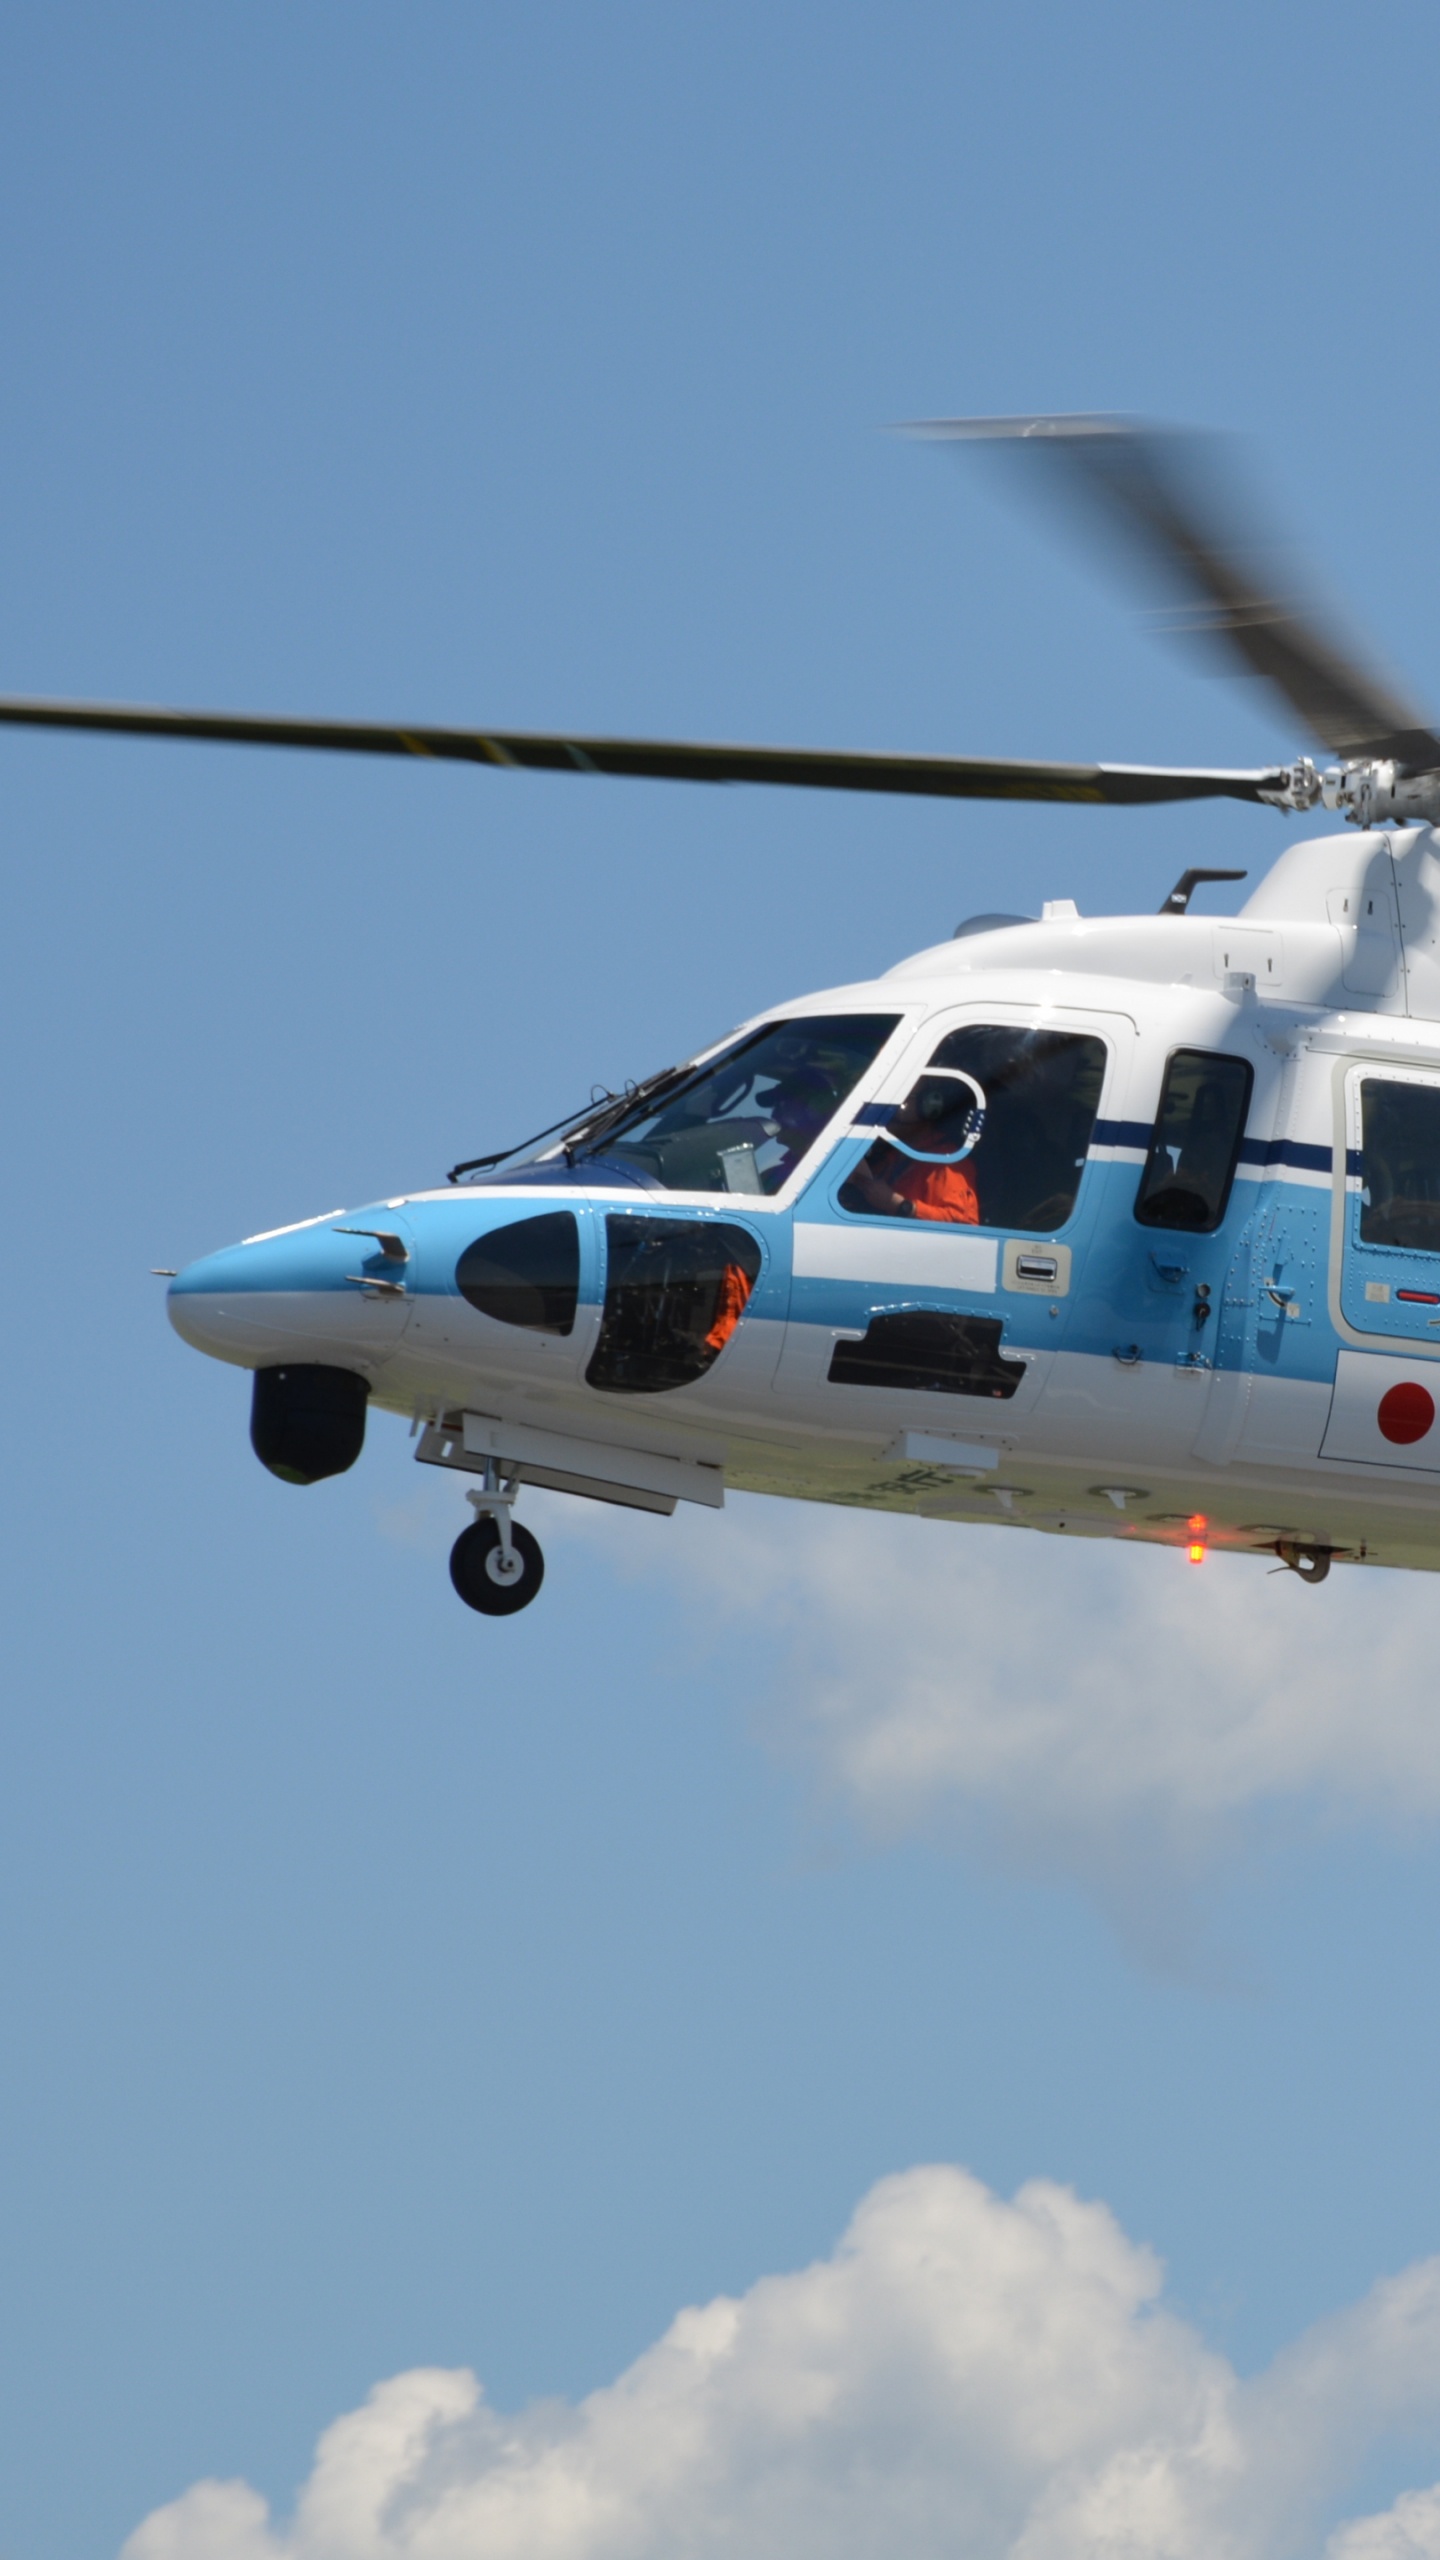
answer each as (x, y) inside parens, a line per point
(745, 1120)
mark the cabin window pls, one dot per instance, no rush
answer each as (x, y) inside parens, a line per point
(994, 1134)
(675, 1291)
(1400, 1164)
(527, 1273)
(744, 1121)
(1195, 1145)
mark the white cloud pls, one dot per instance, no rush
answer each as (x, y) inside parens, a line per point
(1409, 2531)
(965, 2379)
(1059, 1695)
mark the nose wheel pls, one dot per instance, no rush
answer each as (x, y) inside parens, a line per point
(495, 1565)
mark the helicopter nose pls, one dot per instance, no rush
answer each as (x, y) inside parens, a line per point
(307, 1294)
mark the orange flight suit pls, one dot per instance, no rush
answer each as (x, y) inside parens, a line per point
(942, 1191)
(729, 1306)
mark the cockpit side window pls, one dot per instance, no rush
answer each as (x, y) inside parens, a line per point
(744, 1121)
(994, 1134)
(1195, 1146)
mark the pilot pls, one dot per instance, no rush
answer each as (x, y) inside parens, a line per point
(896, 1186)
(796, 1110)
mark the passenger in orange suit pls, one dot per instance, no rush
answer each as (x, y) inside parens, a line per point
(897, 1186)
(729, 1306)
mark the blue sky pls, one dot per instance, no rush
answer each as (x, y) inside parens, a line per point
(386, 1991)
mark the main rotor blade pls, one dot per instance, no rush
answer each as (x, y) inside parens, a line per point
(1165, 491)
(665, 760)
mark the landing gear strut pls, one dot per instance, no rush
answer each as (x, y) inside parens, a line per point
(495, 1565)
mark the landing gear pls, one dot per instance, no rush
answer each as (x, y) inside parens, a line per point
(495, 1565)
(489, 1580)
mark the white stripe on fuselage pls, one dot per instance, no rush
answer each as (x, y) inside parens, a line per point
(915, 1252)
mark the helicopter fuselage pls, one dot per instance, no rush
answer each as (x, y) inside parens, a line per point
(1225, 1333)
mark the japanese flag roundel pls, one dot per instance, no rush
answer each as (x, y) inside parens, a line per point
(1384, 1412)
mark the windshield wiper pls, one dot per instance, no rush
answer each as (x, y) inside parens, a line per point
(623, 1106)
(617, 1107)
(479, 1164)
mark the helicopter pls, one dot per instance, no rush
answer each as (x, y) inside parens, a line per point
(1111, 1226)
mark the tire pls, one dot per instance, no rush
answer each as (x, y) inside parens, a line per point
(472, 1561)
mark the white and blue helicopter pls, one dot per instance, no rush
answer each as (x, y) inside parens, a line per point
(1124, 1226)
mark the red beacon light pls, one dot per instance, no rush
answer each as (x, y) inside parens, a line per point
(1197, 1525)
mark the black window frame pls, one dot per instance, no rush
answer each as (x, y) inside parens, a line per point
(1230, 1059)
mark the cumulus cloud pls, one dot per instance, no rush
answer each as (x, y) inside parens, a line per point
(1060, 1696)
(965, 2379)
(1409, 2531)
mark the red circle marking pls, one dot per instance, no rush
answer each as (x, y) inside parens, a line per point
(1406, 1413)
